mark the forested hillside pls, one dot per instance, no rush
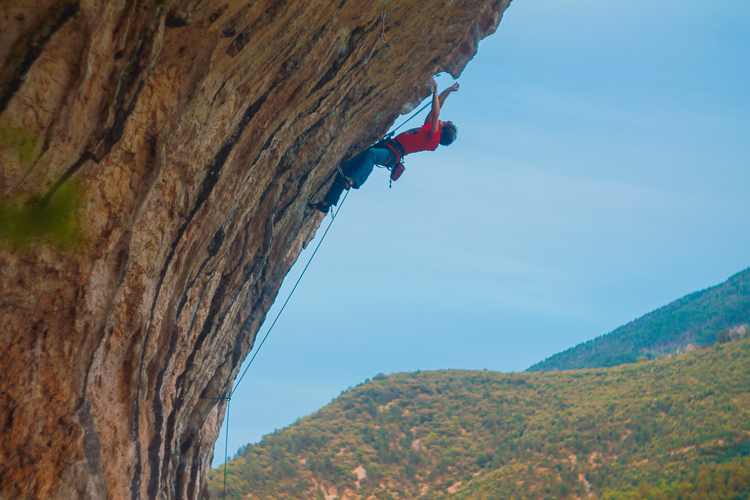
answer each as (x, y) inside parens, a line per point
(695, 319)
(673, 428)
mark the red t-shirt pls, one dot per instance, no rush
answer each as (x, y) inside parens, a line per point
(419, 139)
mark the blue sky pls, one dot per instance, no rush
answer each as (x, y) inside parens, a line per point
(601, 171)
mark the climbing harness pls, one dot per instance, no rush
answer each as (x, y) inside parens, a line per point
(393, 145)
(228, 399)
(396, 167)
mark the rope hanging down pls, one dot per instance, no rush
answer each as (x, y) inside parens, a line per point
(333, 217)
(226, 446)
(228, 399)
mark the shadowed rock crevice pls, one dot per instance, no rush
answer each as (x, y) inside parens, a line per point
(198, 132)
(54, 20)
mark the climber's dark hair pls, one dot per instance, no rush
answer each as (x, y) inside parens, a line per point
(448, 134)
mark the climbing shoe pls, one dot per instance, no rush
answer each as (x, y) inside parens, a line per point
(320, 206)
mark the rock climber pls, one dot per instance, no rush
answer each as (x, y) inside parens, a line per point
(390, 152)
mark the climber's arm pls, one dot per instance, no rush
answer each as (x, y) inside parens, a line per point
(437, 103)
(445, 93)
(434, 117)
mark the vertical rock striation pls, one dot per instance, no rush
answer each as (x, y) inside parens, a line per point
(195, 132)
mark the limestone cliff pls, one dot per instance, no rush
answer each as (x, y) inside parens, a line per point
(194, 134)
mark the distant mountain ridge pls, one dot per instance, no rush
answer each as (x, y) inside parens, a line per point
(695, 319)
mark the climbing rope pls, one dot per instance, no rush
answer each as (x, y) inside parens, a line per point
(226, 446)
(393, 132)
(228, 399)
(333, 217)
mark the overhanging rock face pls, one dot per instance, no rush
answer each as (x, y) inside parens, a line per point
(195, 132)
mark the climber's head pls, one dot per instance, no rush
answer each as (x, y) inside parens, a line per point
(448, 133)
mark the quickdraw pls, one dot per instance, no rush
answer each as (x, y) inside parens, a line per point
(383, 18)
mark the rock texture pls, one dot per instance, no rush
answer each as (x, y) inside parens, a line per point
(197, 132)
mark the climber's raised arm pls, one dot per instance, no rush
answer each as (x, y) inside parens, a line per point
(434, 117)
(444, 93)
(437, 103)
